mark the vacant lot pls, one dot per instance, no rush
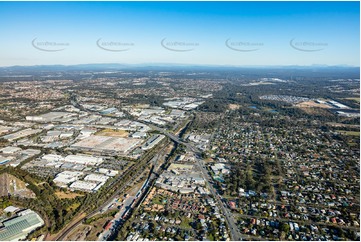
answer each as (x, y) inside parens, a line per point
(356, 99)
(350, 133)
(312, 104)
(113, 133)
(316, 111)
(3, 185)
(70, 195)
(234, 106)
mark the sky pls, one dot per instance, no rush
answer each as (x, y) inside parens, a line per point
(201, 33)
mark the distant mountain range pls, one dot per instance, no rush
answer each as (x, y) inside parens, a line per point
(113, 66)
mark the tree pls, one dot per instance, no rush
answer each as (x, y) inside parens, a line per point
(285, 227)
(198, 225)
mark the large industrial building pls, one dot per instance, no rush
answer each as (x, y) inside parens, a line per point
(96, 178)
(67, 177)
(10, 150)
(4, 160)
(50, 117)
(84, 160)
(21, 134)
(108, 144)
(85, 186)
(20, 226)
(152, 141)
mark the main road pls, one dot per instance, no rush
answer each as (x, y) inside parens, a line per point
(235, 234)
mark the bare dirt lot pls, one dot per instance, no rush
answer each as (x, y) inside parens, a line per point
(312, 104)
(355, 99)
(113, 133)
(233, 106)
(318, 111)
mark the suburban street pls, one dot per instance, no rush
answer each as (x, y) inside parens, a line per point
(235, 234)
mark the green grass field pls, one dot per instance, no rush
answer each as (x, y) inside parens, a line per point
(356, 99)
(350, 133)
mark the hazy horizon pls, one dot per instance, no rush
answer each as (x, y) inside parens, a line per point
(180, 33)
(186, 65)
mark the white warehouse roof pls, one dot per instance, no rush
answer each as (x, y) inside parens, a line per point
(10, 150)
(96, 177)
(82, 185)
(84, 159)
(52, 157)
(66, 177)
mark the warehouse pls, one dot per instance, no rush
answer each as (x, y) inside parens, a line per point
(52, 157)
(4, 160)
(123, 122)
(50, 117)
(96, 178)
(21, 134)
(67, 177)
(19, 227)
(10, 150)
(107, 172)
(84, 160)
(109, 144)
(139, 135)
(84, 186)
(108, 111)
(152, 141)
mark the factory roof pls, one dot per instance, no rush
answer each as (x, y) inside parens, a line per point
(4, 160)
(96, 177)
(10, 150)
(83, 185)
(83, 159)
(19, 227)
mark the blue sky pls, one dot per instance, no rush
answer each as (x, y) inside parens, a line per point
(258, 33)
